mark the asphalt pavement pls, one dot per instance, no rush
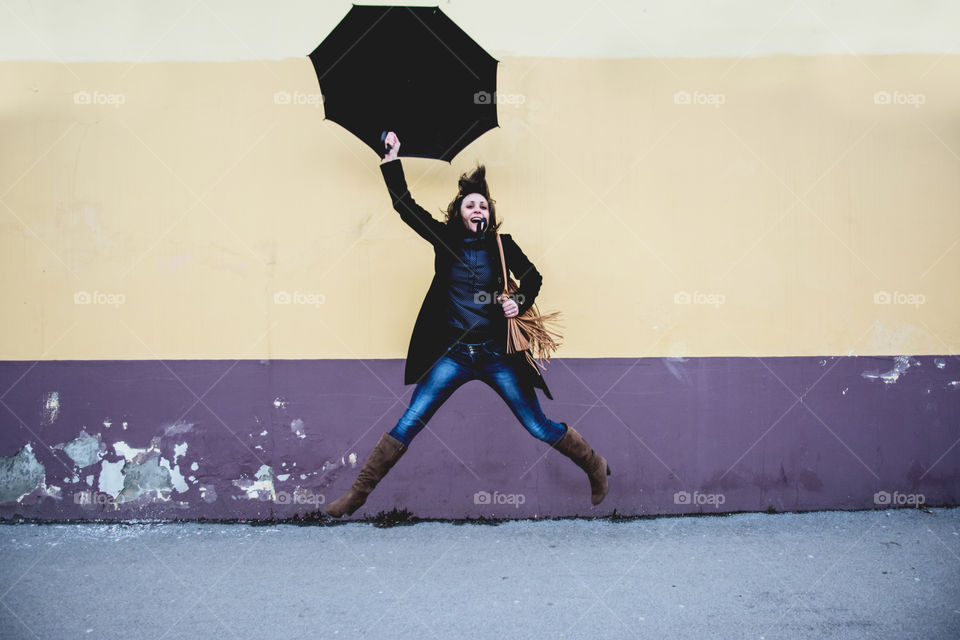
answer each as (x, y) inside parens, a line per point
(837, 574)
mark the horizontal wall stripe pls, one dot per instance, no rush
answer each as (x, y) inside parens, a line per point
(264, 439)
(185, 211)
(235, 30)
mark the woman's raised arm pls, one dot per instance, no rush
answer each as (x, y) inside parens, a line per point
(418, 218)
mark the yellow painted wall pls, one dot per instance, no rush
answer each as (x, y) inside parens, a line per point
(199, 197)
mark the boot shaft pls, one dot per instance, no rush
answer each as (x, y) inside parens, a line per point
(385, 454)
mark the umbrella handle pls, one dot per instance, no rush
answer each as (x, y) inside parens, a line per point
(383, 137)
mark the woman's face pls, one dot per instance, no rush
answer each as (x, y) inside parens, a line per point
(473, 209)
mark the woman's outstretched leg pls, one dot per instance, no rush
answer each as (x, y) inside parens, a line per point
(444, 378)
(522, 400)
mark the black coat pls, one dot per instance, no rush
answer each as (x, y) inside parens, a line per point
(430, 337)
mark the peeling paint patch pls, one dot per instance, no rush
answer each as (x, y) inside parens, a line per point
(129, 453)
(350, 459)
(297, 427)
(20, 474)
(953, 385)
(194, 466)
(940, 363)
(279, 403)
(134, 455)
(111, 478)
(84, 450)
(51, 407)
(261, 488)
(145, 478)
(179, 450)
(283, 477)
(176, 478)
(900, 366)
(176, 428)
(208, 493)
(50, 490)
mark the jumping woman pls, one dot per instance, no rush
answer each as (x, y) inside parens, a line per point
(461, 331)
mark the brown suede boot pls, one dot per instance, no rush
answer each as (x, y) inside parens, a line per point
(576, 448)
(384, 455)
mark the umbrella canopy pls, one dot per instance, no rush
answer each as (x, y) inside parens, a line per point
(411, 70)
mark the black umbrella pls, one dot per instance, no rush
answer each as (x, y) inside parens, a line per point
(410, 70)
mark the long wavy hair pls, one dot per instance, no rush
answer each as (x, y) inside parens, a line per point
(473, 182)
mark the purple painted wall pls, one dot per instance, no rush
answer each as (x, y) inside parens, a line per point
(270, 439)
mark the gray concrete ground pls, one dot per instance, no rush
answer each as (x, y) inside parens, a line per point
(868, 574)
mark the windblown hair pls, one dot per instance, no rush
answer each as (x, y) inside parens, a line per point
(474, 182)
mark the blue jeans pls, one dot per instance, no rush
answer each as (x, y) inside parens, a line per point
(465, 362)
